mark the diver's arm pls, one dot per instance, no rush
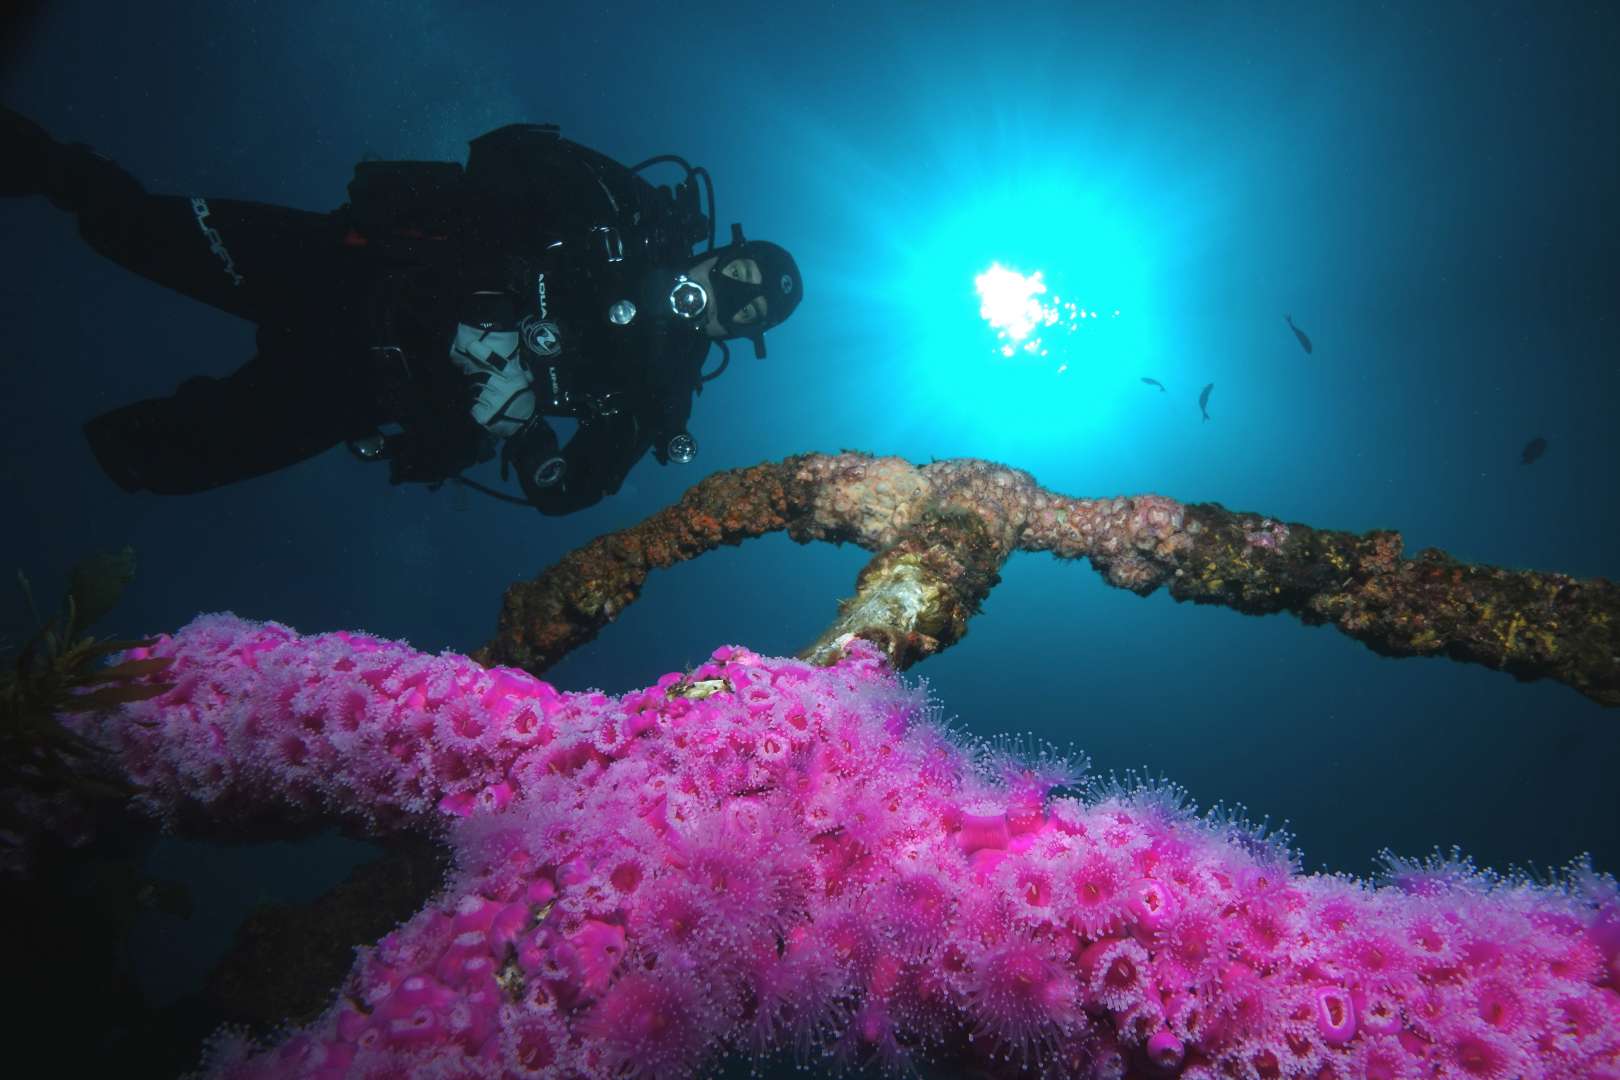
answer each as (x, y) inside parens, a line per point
(464, 424)
(591, 467)
(666, 407)
(666, 418)
(614, 436)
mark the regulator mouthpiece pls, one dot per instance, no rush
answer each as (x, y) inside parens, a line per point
(688, 299)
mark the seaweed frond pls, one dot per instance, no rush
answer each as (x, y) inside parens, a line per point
(61, 669)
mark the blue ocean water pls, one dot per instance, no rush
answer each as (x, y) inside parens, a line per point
(1428, 190)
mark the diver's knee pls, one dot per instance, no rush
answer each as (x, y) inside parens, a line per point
(71, 175)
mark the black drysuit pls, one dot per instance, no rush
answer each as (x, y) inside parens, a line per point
(357, 309)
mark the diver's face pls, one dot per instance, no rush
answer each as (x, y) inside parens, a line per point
(745, 270)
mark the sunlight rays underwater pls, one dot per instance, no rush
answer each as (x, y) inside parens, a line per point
(1107, 231)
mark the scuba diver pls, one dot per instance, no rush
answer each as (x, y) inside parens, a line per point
(442, 314)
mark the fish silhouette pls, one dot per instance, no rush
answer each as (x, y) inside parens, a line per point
(1534, 449)
(1153, 382)
(1203, 400)
(1303, 340)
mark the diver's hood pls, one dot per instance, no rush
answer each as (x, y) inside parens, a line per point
(779, 284)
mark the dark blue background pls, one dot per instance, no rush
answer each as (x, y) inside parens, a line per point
(1429, 189)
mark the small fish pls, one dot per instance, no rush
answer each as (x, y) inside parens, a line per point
(1203, 400)
(1303, 340)
(1154, 382)
(1534, 449)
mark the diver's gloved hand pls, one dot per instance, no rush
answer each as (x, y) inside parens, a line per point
(418, 456)
(412, 459)
(486, 349)
(533, 454)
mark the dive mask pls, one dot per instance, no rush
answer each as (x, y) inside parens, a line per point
(778, 285)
